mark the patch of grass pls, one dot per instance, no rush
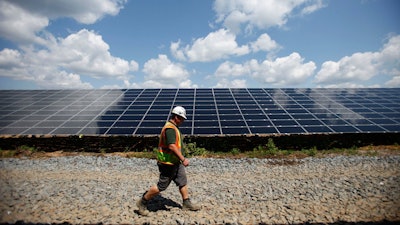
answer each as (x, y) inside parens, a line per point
(235, 151)
(268, 150)
(191, 149)
(7, 153)
(24, 148)
(310, 152)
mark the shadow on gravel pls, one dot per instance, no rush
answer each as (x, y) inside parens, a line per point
(160, 203)
(383, 222)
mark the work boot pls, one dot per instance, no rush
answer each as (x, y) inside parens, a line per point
(188, 205)
(142, 205)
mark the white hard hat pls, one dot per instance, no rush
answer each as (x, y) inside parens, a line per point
(180, 111)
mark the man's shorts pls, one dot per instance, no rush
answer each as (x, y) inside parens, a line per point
(169, 173)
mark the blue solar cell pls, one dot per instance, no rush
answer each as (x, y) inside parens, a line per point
(334, 122)
(205, 117)
(233, 123)
(392, 128)
(279, 117)
(125, 123)
(382, 121)
(206, 130)
(252, 111)
(94, 130)
(148, 131)
(204, 107)
(317, 129)
(326, 116)
(67, 130)
(166, 107)
(201, 123)
(108, 117)
(358, 121)
(131, 117)
(392, 115)
(284, 122)
(303, 116)
(49, 123)
(310, 122)
(155, 117)
(259, 123)
(344, 129)
(371, 128)
(38, 130)
(12, 130)
(101, 123)
(227, 107)
(205, 112)
(290, 130)
(21, 123)
(274, 111)
(74, 123)
(121, 131)
(229, 111)
(230, 117)
(263, 130)
(149, 123)
(296, 111)
(185, 130)
(235, 130)
(255, 117)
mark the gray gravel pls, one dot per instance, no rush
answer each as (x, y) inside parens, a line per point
(90, 189)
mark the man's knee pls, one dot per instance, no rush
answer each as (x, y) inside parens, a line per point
(161, 187)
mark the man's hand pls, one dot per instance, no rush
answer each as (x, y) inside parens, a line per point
(185, 162)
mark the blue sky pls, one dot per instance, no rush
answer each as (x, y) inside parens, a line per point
(199, 43)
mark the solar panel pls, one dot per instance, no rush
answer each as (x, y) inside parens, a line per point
(211, 111)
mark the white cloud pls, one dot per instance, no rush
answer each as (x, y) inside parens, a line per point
(87, 12)
(64, 61)
(9, 58)
(261, 14)
(19, 25)
(363, 66)
(24, 22)
(289, 70)
(394, 82)
(24, 66)
(162, 73)
(264, 43)
(216, 45)
(236, 83)
(85, 52)
(61, 80)
(230, 69)
(359, 66)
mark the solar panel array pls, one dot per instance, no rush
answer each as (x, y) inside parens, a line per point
(227, 111)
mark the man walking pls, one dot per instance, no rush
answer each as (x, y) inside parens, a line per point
(171, 163)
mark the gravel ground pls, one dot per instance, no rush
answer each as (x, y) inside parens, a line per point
(91, 190)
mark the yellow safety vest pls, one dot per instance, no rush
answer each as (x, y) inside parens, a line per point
(165, 155)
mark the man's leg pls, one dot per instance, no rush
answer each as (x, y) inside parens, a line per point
(184, 192)
(187, 204)
(163, 182)
(142, 203)
(153, 191)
